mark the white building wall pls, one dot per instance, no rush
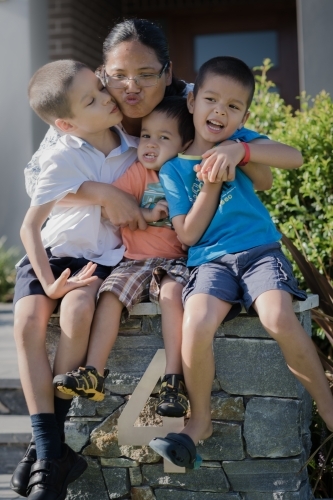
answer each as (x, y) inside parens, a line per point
(23, 48)
(315, 45)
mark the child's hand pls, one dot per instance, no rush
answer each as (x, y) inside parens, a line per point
(219, 163)
(160, 211)
(64, 284)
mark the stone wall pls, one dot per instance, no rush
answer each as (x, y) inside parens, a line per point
(260, 413)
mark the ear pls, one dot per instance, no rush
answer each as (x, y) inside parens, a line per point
(64, 125)
(190, 102)
(246, 116)
(168, 74)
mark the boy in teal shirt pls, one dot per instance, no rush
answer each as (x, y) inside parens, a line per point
(234, 251)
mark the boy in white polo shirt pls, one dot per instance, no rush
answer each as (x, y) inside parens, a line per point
(73, 254)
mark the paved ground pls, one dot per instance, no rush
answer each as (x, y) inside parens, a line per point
(8, 374)
(8, 359)
(5, 492)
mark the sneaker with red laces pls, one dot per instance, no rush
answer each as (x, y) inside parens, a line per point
(85, 382)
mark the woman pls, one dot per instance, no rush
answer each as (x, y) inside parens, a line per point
(133, 49)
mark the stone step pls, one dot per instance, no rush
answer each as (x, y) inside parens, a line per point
(15, 434)
(5, 492)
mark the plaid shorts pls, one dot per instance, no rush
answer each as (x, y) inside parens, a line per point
(134, 281)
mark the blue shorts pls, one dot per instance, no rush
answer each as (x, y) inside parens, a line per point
(27, 282)
(240, 278)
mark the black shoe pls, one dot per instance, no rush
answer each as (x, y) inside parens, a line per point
(20, 479)
(49, 478)
(172, 401)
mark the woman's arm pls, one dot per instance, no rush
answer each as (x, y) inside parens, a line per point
(32, 241)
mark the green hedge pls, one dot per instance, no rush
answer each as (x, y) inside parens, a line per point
(301, 201)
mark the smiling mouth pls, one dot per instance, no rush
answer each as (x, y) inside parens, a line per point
(149, 156)
(215, 125)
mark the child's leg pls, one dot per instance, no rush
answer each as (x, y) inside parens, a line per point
(30, 322)
(89, 381)
(172, 400)
(76, 316)
(202, 316)
(104, 330)
(172, 319)
(276, 314)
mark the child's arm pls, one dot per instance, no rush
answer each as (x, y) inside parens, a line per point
(160, 211)
(225, 158)
(191, 227)
(121, 208)
(32, 241)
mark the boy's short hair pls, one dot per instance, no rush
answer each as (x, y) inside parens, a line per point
(230, 67)
(48, 89)
(176, 107)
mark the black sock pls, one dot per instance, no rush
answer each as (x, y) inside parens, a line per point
(61, 408)
(46, 434)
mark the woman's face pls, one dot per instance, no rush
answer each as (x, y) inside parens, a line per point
(131, 59)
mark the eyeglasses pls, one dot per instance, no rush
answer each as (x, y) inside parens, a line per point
(120, 82)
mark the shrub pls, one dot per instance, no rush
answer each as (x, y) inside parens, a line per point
(301, 201)
(8, 257)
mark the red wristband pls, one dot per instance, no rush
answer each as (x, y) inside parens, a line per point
(246, 158)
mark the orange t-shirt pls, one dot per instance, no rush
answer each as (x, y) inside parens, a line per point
(157, 240)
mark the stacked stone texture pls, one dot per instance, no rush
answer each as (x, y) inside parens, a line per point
(260, 413)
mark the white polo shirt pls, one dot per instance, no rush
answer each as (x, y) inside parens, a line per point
(81, 231)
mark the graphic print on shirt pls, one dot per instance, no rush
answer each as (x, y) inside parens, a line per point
(226, 194)
(154, 193)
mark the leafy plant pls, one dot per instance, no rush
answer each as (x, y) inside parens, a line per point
(301, 204)
(8, 257)
(321, 461)
(301, 201)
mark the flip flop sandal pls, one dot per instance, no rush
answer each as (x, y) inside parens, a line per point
(178, 449)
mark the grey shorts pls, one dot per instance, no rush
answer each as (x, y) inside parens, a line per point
(240, 278)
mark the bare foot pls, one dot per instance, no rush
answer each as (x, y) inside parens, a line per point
(198, 430)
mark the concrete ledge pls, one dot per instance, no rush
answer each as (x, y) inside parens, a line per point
(15, 429)
(10, 383)
(150, 309)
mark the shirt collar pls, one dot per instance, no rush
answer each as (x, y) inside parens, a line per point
(126, 141)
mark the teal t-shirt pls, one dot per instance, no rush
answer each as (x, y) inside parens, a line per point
(241, 220)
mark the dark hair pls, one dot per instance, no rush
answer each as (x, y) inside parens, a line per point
(149, 34)
(48, 89)
(176, 107)
(231, 67)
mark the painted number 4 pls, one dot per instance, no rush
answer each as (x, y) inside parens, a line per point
(138, 436)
